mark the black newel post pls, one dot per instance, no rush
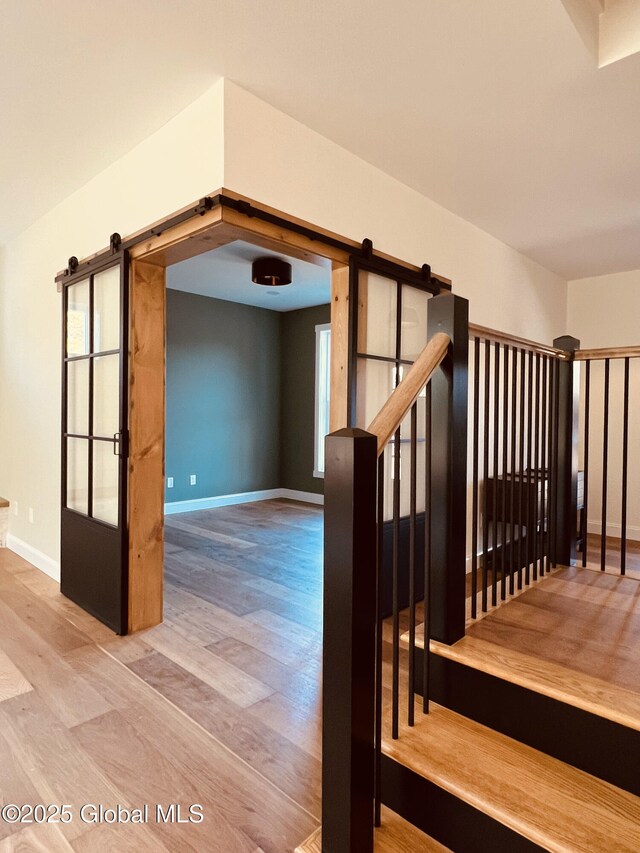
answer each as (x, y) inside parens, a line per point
(565, 542)
(349, 642)
(450, 314)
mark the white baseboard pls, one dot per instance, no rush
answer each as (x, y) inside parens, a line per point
(305, 497)
(32, 555)
(614, 529)
(242, 498)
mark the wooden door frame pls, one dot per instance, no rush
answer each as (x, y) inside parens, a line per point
(181, 236)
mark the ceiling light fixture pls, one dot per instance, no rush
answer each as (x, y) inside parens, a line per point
(272, 272)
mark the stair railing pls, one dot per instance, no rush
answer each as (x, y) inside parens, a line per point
(610, 388)
(395, 505)
(523, 462)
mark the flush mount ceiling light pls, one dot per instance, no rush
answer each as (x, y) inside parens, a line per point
(272, 272)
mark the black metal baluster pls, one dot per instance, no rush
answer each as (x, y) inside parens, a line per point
(474, 496)
(379, 640)
(395, 689)
(512, 493)
(505, 450)
(584, 529)
(485, 476)
(529, 539)
(536, 466)
(625, 459)
(496, 448)
(426, 667)
(412, 564)
(554, 478)
(544, 476)
(605, 466)
(521, 555)
(552, 361)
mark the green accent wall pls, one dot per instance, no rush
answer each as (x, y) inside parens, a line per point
(297, 402)
(223, 397)
(240, 397)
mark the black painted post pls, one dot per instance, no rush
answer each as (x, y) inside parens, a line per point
(349, 641)
(450, 314)
(565, 545)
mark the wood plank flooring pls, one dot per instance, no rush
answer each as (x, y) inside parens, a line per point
(221, 704)
(594, 544)
(218, 706)
(584, 620)
(574, 636)
(12, 681)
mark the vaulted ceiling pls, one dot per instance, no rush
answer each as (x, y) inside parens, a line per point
(497, 109)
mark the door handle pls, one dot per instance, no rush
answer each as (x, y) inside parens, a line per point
(121, 444)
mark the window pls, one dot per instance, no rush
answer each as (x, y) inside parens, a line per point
(323, 385)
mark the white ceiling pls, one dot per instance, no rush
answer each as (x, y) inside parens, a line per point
(495, 109)
(225, 273)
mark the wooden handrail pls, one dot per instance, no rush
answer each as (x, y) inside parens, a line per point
(486, 334)
(607, 352)
(391, 415)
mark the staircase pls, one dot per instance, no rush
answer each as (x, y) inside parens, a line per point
(522, 678)
(478, 790)
(465, 776)
(395, 835)
(515, 725)
(558, 669)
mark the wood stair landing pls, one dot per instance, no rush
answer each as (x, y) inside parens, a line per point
(394, 836)
(540, 798)
(573, 637)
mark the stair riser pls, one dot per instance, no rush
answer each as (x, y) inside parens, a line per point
(451, 821)
(591, 743)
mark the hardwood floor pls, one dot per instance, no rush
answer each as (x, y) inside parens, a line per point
(221, 704)
(572, 636)
(218, 706)
(395, 835)
(585, 621)
(594, 545)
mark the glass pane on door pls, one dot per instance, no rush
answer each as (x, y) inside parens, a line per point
(376, 381)
(78, 474)
(106, 310)
(78, 335)
(105, 482)
(413, 331)
(377, 312)
(106, 395)
(78, 397)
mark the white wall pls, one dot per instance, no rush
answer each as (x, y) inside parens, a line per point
(179, 163)
(603, 312)
(227, 137)
(276, 160)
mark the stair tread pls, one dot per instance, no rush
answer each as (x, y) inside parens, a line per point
(551, 679)
(394, 836)
(552, 635)
(551, 803)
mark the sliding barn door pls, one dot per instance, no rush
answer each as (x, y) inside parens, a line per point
(94, 542)
(388, 330)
